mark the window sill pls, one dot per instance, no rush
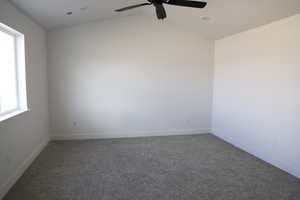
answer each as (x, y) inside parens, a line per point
(13, 114)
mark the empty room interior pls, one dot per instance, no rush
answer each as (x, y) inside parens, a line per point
(150, 100)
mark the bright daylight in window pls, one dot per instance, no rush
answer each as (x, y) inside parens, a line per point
(12, 73)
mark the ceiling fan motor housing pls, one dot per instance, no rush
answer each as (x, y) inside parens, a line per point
(159, 8)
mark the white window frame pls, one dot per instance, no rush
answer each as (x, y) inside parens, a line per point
(20, 73)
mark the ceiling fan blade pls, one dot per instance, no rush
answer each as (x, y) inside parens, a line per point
(131, 7)
(160, 11)
(193, 4)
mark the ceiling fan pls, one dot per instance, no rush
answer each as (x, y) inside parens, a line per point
(160, 10)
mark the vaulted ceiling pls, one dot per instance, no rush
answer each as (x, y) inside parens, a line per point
(219, 19)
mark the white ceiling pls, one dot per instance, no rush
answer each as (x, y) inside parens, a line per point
(227, 16)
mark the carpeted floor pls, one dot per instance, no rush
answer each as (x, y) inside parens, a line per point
(199, 167)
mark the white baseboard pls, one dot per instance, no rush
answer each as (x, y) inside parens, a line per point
(23, 167)
(281, 163)
(125, 134)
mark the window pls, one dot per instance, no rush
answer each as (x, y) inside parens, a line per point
(13, 98)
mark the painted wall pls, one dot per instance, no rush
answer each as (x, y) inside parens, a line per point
(23, 136)
(257, 92)
(134, 76)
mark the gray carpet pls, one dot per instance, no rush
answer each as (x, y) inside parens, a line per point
(155, 168)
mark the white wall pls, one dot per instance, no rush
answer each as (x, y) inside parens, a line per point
(134, 76)
(22, 137)
(257, 92)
